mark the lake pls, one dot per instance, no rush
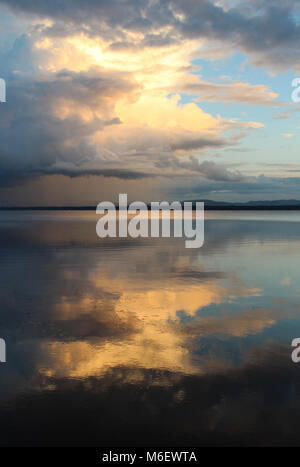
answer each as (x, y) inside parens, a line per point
(143, 342)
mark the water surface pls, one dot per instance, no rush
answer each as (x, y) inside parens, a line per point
(144, 342)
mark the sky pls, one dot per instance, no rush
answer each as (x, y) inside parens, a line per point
(163, 100)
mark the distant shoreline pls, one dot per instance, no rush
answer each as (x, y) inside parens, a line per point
(207, 208)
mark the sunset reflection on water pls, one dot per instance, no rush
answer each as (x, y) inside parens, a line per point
(112, 335)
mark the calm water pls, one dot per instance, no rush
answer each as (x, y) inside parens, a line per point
(145, 342)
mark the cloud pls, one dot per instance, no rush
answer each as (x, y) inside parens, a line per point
(200, 143)
(101, 121)
(268, 33)
(125, 118)
(288, 113)
(49, 124)
(258, 188)
(211, 170)
(91, 123)
(238, 92)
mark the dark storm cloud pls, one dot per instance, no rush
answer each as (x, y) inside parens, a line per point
(36, 141)
(199, 143)
(114, 13)
(124, 174)
(268, 31)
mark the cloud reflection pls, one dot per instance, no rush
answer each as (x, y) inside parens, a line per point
(140, 331)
